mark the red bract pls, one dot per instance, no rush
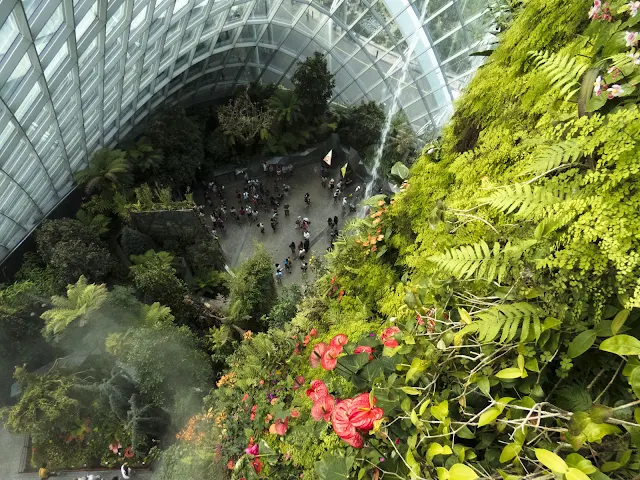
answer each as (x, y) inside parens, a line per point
(252, 449)
(364, 412)
(128, 453)
(364, 349)
(390, 332)
(313, 332)
(253, 412)
(317, 390)
(307, 339)
(322, 408)
(317, 353)
(339, 340)
(256, 463)
(330, 358)
(343, 426)
(245, 397)
(280, 427)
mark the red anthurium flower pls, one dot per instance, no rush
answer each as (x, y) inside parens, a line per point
(298, 382)
(322, 408)
(313, 332)
(343, 426)
(295, 413)
(339, 340)
(245, 397)
(252, 449)
(364, 412)
(307, 339)
(317, 391)
(253, 412)
(231, 465)
(316, 355)
(128, 452)
(256, 463)
(330, 357)
(390, 332)
(364, 349)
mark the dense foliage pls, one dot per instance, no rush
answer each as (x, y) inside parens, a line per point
(313, 85)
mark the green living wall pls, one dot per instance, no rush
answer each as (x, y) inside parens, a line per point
(483, 322)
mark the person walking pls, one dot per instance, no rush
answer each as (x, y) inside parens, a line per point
(335, 221)
(332, 182)
(274, 222)
(292, 247)
(44, 472)
(336, 193)
(299, 222)
(255, 214)
(300, 245)
(306, 244)
(330, 223)
(302, 253)
(261, 227)
(278, 273)
(287, 264)
(306, 235)
(303, 267)
(234, 212)
(307, 199)
(344, 204)
(286, 209)
(125, 471)
(241, 212)
(324, 181)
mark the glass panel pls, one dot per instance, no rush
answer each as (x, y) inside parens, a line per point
(179, 5)
(236, 13)
(16, 77)
(49, 29)
(443, 23)
(27, 102)
(8, 33)
(261, 10)
(52, 67)
(138, 20)
(84, 24)
(281, 61)
(115, 19)
(249, 34)
(30, 6)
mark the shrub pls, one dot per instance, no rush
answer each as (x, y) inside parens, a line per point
(134, 242)
(285, 308)
(205, 255)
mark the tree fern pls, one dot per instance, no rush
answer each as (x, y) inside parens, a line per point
(523, 198)
(156, 314)
(479, 261)
(82, 298)
(505, 320)
(549, 157)
(563, 71)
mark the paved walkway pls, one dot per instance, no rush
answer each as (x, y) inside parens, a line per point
(238, 239)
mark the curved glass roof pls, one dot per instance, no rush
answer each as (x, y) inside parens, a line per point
(76, 75)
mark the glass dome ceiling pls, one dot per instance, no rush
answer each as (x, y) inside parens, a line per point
(76, 75)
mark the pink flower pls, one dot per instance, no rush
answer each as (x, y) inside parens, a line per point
(633, 8)
(128, 452)
(280, 427)
(364, 412)
(387, 337)
(115, 446)
(313, 333)
(364, 349)
(614, 91)
(339, 340)
(330, 357)
(631, 38)
(317, 390)
(245, 397)
(322, 408)
(343, 426)
(595, 9)
(317, 353)
(252, 449)
(294, 413)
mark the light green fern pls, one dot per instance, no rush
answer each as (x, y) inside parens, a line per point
(564, 72)
(523, 198)
(480, 261)
(505, 320)
(551, 157)
(82, 299)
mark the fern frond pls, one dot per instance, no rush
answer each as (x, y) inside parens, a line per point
(523, 198)
(479, 261)
(505, 320)
(550, 157)
(563, 72)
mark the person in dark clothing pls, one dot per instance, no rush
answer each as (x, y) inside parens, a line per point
(274, 222)
(286, 209)
(306, 244)
(330, 222)
(300, 245)
(335, 221)
(292, 246)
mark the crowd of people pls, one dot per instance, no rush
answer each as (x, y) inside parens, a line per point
(259, 200)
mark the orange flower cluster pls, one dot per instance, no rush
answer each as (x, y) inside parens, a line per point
(191, 432)
(248, 335)
(228, 380)
(371, 242)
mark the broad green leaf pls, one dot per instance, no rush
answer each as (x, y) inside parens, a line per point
(621, 345)
(410, 390)
(414, 418)
(484, 385)
(400, 171)
(576, 460)
(412, 440)
(417, 367)
(443, 473)
(581, 343)
(634, 380)
(440, 411)
(349, 365)
(575, 474)
(595, 432)
(596, 102)
(506, 476)
(424, 406)
(509, 373)
(509, 452)
(489, 416)
(619, 320)
(465, 432)
(532, 365)
(464, 316)
(414, 467)
(266, 452)
(609, 467)
(462, 472)
(332, 467)
(550, 460)
(437, 449)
